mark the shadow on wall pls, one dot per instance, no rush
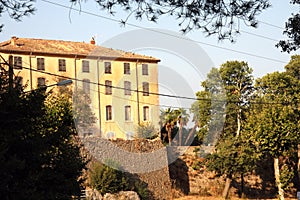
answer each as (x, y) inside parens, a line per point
(140, 187)
(178, 171)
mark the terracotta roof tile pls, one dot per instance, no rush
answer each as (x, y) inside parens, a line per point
(67, 48)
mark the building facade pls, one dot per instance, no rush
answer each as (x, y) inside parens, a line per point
(122, 86)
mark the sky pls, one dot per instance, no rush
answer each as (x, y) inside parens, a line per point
(188, 59)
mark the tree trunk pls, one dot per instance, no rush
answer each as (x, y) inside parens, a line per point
(180, 133)
(227, 187)
(169, 134)
(277, 178)
(298, 163)
(191, 134)
(239, 119)
(242, 186)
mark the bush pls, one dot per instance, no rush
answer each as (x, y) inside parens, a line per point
(108, 179)
(141, 188)
(146, 130)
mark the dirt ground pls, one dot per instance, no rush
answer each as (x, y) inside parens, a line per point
(219, 198)
(200, 198)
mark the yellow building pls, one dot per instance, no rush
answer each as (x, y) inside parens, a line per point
(121, 85)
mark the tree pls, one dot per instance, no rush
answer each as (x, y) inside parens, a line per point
(273, 123)
(83, 115)
(211, 16)
(293, 69)
(227, 91)
(172, 122)
(208, 110)
(16, 9)
(82, 111)
(39, 155)
(238, 83)
(292, 31)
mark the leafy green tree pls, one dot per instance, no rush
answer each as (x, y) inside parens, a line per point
(221, 110)
(273, 123)
(39, 155)
(208, 111)
(293, 69)
(238, 83)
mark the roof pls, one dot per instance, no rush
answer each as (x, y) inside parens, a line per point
(60, 48)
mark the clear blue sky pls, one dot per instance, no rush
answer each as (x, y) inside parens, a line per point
(54, 22)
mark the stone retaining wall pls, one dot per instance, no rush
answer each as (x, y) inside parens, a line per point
(144, 159)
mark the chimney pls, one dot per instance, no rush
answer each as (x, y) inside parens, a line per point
(13, 40)
(93, 41)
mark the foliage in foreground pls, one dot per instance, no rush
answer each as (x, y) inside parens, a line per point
(39, 155)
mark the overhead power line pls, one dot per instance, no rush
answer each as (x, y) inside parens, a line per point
(164, 33)
(272, 25)
(261, 36)
(153, 93)
(141, 102)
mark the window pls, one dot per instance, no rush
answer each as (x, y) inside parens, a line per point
(146, 113)
(127, 113)
(18, 81)
(108, 87)
(17, 62)
(61, 65)
(41, 82)
(85, 66)
(144, 69)
(127, 87)
(40, 63)
(108, 113)
(145, 88)
(107, 66)
(86, 86)
(126, 68)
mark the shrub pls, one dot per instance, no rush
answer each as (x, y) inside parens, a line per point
(146, 130)
(108, 179)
